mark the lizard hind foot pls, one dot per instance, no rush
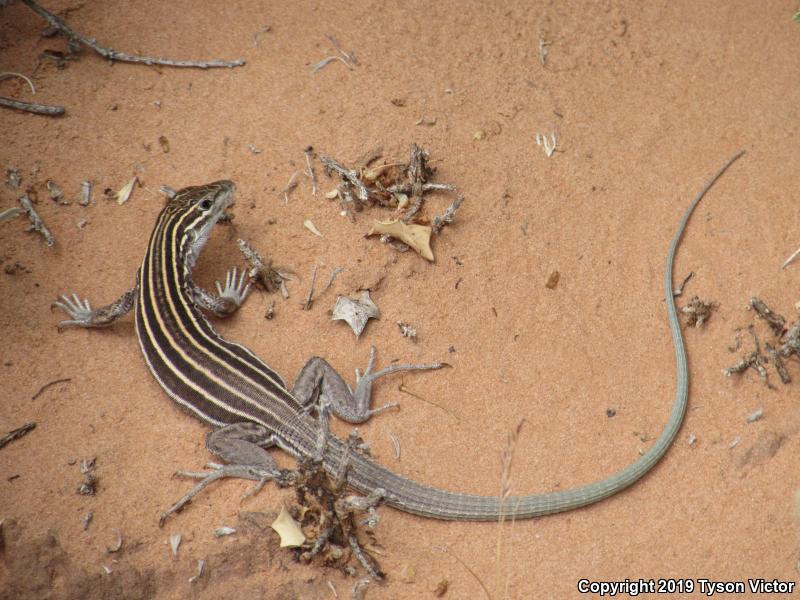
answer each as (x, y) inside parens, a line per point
(256, 473)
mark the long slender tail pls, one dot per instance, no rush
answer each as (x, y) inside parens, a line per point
(367, 475)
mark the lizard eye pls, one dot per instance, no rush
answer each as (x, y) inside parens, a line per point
(205, 204)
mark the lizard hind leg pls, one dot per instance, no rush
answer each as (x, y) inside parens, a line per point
(242, 445)
(319, 384)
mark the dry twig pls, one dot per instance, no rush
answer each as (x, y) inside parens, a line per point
(333, 276)
(261, 271)
(447, 217)
(753, 360)
(32, 107)
(48, 385)
(345, 173)
(112, 55)
(36, 221)
(310, 294)
(39, 109)
(17, 433)
(346, 58)
(418, 173)
(776, 322)
(309, 153)
(290, 186)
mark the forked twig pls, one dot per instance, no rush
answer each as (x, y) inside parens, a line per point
(112, 55)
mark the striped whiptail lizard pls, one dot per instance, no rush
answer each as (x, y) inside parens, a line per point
(227, 386)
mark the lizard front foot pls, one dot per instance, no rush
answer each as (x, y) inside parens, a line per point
(234, 291)
(79, 311)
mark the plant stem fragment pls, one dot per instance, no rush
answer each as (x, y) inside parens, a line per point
(17, 433)
(112, 55)
(36, 221)
(32, 107)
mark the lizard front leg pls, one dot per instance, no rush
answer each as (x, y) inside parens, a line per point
(228, 299)
(82, 315)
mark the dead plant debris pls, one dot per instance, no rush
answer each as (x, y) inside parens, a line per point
(124, 194)
(348, 59)
(327, 519)
(86, 193)
(50, 384)
(88, 486)
(397, 185)
(355, 313)
(56, 195)
(407, 330)
(786, 343)
(76, 39)
(260, 271)
(552, 280)
(698, 311)
(36, 221)
(13, 178)
(416, 237)
(17, 433)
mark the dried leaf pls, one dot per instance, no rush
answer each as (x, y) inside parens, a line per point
(407, 573)
(355, 313)
(552, 280)
(417, 237)
(175, 542)
(56, 195)
(312, 228)
(373, 173)
(755, 416)
(360, 589)
(223, 531)
(441, 588)
(288, 529)
(200, 565)
(124, 194)
(117, 544)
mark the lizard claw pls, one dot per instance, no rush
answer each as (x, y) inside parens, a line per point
(235, 291)
(79, 311)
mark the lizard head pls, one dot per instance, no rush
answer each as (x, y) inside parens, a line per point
(195, 210)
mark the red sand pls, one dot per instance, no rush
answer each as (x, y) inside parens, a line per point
(647, 100)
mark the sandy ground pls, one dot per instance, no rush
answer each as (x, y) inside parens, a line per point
(647, 100)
